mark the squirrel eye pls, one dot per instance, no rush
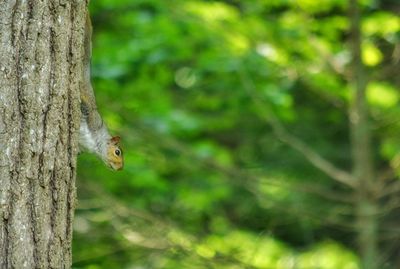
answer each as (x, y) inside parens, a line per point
(117, 152)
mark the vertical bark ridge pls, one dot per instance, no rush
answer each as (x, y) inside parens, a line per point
(7, 13)
(78, 12)
(20, 223)
(60, 18)
(34, 20)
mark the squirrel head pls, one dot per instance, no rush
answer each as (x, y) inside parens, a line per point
(115, 158)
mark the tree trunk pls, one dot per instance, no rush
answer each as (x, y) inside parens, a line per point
(41, 46)
(363, 170)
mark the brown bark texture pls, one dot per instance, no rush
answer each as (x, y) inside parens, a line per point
(41, 49)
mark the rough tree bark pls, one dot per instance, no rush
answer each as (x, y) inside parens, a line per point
(41, 46)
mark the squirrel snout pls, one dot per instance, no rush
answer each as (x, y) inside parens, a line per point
(116, 165)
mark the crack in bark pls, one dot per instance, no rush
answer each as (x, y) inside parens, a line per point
(6, 243)
(14, 31)
(52, 215)
(70, 195)
(52, 185)
(31, 183)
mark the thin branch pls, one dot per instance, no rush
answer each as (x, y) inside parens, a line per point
(245, 179)
(310, 154)
(124, 222)
(333, 64)
(390, 189)
(390, 206)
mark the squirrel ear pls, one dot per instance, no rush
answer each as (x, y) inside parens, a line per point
(115, 139)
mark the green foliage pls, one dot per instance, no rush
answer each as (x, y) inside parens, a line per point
(190, 86)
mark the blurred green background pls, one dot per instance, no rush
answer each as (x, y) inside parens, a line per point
(191, 87)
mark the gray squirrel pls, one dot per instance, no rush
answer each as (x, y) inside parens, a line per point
(93, 133)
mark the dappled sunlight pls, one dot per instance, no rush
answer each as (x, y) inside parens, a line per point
(383, 24)
(221, 18)
(328, 255)
(371, 55)
(382, 94)
(212, 12)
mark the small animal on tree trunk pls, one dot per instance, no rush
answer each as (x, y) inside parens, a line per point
(94, 135)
